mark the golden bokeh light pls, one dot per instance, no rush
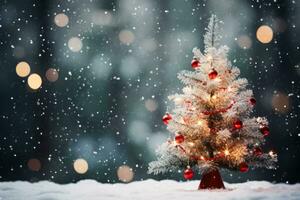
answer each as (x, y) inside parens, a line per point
(34, 81)
(151, 105)
(244, 42)
(102, 17)
(126, 37)
(23, 69)
(281, 102)
(52, 75)
(61, 20)
(81, 166)
(75, 44)
(279, 25)
(125, 173)
(34, 164)
(264, 34)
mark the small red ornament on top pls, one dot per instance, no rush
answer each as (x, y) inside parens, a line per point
(244, 167)
(179, 138)
(257, 151)
(188, 173)
(252, 101)
(195, 63)
(212, 74)
(265, 130)
(238, 124)
(166, 118)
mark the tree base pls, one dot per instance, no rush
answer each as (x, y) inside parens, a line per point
(211, 180)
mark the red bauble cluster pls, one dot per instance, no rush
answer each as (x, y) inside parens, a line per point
(188, 173)
(212, 74)
(253, 101)
(195, 63)
(265, 130)
(179, 138)
(244, 167)
(257, 151)
(166, 118)
(238, 124)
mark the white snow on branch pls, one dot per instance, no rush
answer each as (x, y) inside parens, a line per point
(170, 159)
(212, 37)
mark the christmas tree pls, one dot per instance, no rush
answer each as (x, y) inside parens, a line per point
(211, 119)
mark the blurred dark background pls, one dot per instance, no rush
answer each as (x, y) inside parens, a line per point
(116, 63)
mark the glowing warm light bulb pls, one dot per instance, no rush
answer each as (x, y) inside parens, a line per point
(81, 166)
(34, 81)
(178, 100)
(22, 69)
(191, 143)
(214, 97)
(226, 152)
(199, 122)
(271, 153)
(217, 79)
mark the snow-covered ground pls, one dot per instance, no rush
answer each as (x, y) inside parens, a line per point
(143, 190)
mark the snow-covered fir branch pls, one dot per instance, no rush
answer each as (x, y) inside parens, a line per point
(169, 159)
(213, 36)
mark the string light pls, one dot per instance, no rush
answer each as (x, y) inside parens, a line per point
(214, 97)
(191, 144)
(226, 152)
(199, 122)
(272, 154)
(178, 100)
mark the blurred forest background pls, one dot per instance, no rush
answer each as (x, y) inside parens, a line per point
(106, 69)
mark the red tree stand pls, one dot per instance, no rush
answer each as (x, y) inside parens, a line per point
(211, 179)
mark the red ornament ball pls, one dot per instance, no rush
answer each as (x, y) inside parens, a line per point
(188, 174)
(265, 130)
(212, 74)
(166, 118)
(238, 124)
(253, 101)
(195, 63)
(179, 138)
(244, 167)
(257, 151)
